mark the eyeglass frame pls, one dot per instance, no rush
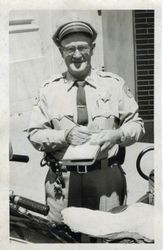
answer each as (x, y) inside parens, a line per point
(84, 49)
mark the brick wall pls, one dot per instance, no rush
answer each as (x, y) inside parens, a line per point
(144, 62)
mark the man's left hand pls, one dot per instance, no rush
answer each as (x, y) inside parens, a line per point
(106, 138)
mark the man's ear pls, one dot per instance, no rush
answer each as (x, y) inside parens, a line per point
(92, 47)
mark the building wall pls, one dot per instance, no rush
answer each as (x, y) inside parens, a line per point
(118, 44)
(144, 60)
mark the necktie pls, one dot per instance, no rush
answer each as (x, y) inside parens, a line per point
(82, 114)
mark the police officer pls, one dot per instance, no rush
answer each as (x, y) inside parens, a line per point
(73, 105)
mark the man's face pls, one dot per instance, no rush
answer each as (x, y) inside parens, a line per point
(77, 49)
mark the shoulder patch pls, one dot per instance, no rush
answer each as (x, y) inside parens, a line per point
(127, 91)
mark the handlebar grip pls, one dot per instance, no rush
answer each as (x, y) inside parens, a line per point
(20, 158)
(31, 205)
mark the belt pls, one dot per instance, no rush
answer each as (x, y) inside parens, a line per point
(80, 169)
(117, 159)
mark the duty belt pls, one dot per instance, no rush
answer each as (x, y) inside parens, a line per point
(118, 159)
(80, 169)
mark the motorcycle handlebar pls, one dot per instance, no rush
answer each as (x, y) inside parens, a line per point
(20, 158)
(30, 204)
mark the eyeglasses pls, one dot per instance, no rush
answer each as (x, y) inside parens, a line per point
(72, 49)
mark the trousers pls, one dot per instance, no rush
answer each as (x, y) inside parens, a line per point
(101, 189)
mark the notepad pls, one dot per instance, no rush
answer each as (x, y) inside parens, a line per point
(84, 154)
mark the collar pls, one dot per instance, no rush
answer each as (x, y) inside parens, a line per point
(90, 79)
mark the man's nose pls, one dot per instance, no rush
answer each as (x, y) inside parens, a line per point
(77, 53)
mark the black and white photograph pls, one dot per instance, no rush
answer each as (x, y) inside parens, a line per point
(81, 126)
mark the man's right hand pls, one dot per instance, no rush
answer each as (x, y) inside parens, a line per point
(78, 135)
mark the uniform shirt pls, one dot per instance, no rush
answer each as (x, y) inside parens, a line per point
(110, 105)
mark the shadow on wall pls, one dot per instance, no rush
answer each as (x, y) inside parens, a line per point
(149, 135)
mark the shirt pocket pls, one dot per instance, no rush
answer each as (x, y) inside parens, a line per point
(105, 115)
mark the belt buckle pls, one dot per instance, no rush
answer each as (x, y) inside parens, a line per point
(81, 172)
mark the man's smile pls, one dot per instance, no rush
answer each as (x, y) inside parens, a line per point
(78, 64)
